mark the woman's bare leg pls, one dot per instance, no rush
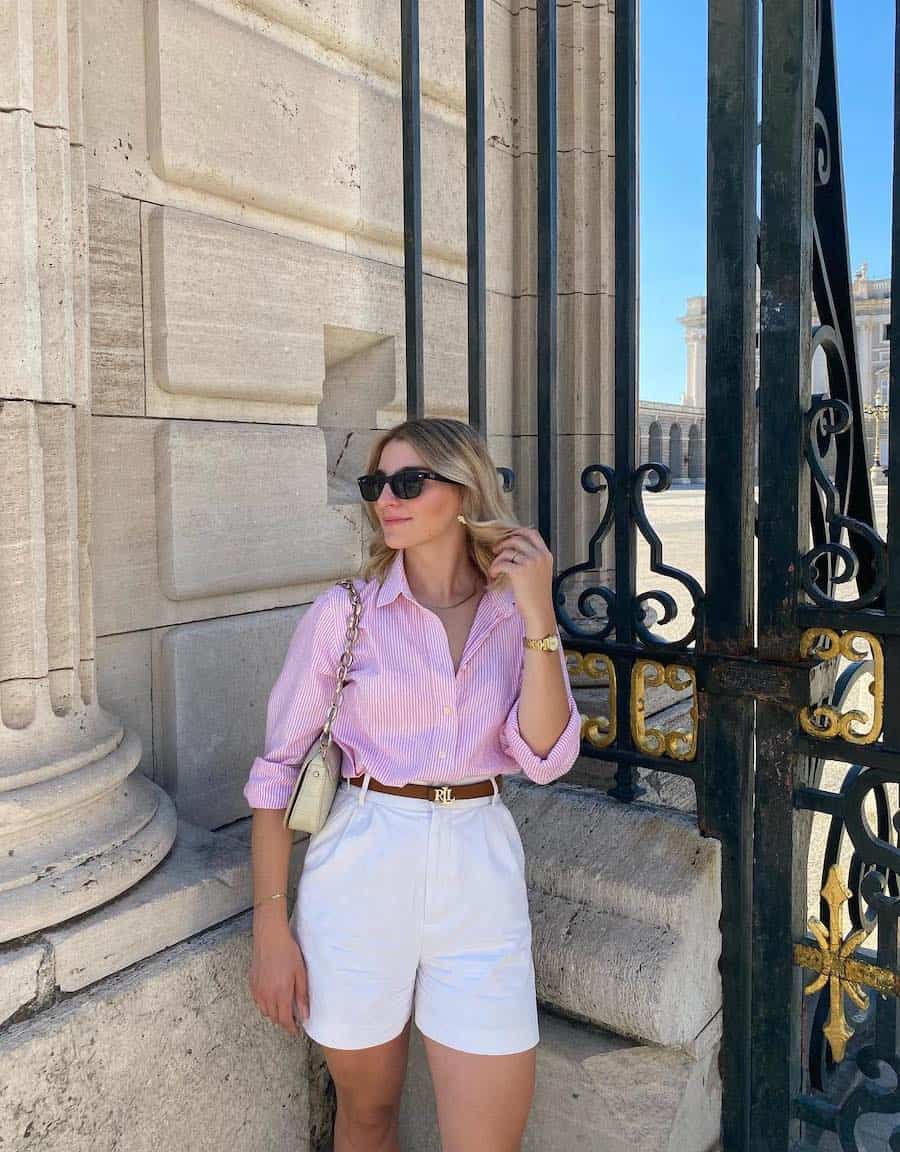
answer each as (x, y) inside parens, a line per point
(369, 1084)
(483, 1102)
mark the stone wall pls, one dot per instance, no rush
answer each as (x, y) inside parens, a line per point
(245, 208)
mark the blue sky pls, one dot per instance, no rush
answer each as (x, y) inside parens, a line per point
(673, 164)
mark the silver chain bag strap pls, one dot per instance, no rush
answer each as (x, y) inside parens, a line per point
(320, 773)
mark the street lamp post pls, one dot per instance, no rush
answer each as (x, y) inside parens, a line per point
(879, 412)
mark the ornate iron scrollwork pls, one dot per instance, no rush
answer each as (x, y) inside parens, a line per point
(639, 602)
(847, 507)
(594, 478)
(829, 418)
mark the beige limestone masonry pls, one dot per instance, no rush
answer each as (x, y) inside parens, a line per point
(213, 1072)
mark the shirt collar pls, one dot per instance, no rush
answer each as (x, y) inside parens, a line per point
(502, 599)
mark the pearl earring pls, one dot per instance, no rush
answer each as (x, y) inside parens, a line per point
(461, 519)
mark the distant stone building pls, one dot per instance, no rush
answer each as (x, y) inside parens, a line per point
(675, 435)
(872, 309)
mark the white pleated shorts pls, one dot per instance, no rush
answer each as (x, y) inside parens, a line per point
(406, 903)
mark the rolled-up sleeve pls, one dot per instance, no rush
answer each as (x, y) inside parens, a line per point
(297, 704)
(563, 754)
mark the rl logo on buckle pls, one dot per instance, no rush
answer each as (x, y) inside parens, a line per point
(443, 795)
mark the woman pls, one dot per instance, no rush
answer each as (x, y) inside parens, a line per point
(413, 896)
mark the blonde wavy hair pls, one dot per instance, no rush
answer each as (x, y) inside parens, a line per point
(459, 452)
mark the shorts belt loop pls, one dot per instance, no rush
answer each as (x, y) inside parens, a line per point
(364, 788)
(496, 795)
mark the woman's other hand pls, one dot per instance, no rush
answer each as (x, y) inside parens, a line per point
(278, 975)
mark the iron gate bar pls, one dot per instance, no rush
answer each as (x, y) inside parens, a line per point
(475, 216)
(412, 206)
(547, 274)
(869, 755)
(783, 524)
(887, 1023)
(626, 363)
(864, 620)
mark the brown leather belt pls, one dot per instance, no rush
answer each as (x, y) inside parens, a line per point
(439, 793)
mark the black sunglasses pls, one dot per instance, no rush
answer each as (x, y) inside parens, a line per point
(406, 483)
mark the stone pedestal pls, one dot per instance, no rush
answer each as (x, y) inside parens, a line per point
(77, 826)
(171, 1053)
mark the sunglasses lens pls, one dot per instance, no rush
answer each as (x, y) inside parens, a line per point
(370, 487)
(407, 485)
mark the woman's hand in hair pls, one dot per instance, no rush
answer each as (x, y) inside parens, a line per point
(528, 562)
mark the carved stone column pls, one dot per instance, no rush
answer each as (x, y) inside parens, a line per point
(78, 825)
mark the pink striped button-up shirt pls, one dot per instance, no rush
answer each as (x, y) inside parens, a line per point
(404, 715)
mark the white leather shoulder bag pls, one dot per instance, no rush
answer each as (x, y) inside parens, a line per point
(319, 776)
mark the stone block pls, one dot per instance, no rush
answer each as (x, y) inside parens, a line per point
(20, 333)
(213, 1072)
(228, 320)
(593, 1090)
(230, 499)
(124, 686)
(127, 590)
(20, 978)
(211, 683)
(374, 42)
(520, 454)
(204, 880)
(337, 201)
(116, 315)
(625, 904)
(299, 107)
(210, 356)
(585, 365)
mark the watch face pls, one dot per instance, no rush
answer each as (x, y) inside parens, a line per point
(553, 643)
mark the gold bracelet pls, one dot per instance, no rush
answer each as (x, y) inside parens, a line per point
(272, 897)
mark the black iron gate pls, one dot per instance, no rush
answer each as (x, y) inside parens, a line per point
(791, 658)
(791, 654)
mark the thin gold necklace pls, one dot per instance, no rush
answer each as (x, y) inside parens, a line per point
(443, 607)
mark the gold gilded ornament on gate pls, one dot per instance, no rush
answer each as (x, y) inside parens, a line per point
(599, 731)
(825, 722)
(833, 963)
(677, 744)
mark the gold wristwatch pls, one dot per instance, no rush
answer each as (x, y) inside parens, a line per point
(545, 644)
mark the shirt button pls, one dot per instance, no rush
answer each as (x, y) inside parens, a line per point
(447, 708)
(442, 755)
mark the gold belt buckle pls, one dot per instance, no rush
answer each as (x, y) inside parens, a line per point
(443, 795)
